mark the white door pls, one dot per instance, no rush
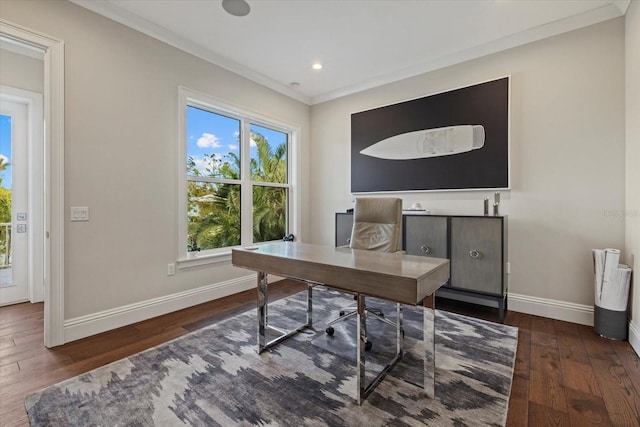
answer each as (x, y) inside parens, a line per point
(14, 227)
(21, 173)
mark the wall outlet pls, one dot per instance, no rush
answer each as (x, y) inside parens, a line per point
(171, 269)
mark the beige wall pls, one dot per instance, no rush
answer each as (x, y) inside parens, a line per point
(632, 247)
(21, 71)
(567, 156)
(121, 156)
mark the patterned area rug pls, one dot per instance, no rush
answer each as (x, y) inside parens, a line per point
(214, 377)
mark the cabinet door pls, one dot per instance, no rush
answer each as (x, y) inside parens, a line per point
(476, 254)
(344, 224)
(426, 235)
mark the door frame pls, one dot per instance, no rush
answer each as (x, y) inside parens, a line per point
(35, 186)
(54, 175)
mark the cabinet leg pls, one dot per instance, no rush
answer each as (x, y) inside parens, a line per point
(502, 304)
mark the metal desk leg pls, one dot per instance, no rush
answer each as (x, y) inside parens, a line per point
(365, 390)
(429, 346)
(360, 349)
(263, 317)
(309, 305)
(399, 332)
(262, 311)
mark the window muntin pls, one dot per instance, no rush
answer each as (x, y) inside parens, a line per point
(237, 175)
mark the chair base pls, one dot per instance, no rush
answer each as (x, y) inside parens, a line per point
(374, 312)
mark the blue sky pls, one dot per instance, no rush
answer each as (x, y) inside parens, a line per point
(5, 148)
(209, 133)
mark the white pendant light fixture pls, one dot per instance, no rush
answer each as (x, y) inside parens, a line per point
(236, 7)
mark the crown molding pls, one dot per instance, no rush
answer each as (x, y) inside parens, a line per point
(609, 11)
(595, 16)
(126, 18)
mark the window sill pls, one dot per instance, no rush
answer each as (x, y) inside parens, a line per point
(199, 260)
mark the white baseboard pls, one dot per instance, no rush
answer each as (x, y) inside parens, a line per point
(634, 337)
(553, 309)
(95, 323)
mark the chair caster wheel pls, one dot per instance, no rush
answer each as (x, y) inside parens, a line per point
(330, 331)
(368, 345)
(341, 313)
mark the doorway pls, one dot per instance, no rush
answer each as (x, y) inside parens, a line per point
(53, 175)
(21, 196)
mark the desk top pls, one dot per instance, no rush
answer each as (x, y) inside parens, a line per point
(398, 277)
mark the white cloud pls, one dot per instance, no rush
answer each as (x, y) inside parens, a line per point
(252, 143)
(4, 158)
(202, 164)
(233, 147)
(208, 140)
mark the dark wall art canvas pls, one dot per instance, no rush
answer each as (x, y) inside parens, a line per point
(454, 140)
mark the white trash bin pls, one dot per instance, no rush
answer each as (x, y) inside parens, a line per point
(611, 294)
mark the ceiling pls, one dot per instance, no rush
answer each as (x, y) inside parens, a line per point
(361, 43)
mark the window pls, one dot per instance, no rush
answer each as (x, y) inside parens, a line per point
(236, 177)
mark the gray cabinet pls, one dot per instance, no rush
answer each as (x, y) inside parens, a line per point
(476, 254)
(344, 224)
(476, 246)
(427, 235)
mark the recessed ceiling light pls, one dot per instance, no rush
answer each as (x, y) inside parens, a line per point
(317, 66)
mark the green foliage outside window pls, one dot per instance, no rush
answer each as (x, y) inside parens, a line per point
(5, 217)
(214, 208)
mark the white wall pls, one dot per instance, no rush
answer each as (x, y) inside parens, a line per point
(632, 217)
(121, 157)
(567, 161)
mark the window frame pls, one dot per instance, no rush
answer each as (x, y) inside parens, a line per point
(188, 97)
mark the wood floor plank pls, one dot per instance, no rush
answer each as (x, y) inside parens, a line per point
(543, 332)
(518, 414)
(586, 409)
(618, 392)
(570, 342)
(523, 355)
(9, 369)
(579, 376)
(629, 359)
(540, 415)
(596, 346)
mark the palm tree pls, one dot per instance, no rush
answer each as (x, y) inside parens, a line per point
(214, 208)
(269, 203)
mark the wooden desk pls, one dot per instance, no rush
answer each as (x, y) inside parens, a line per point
(404, 279)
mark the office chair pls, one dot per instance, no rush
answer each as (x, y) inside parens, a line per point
(377, 226)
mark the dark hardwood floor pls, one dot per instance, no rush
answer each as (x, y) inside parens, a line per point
(565, 374)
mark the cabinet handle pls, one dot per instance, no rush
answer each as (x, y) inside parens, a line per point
(425, 249)
(474, 253)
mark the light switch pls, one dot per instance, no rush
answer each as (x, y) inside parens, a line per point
(79, 213)
(21, 216)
